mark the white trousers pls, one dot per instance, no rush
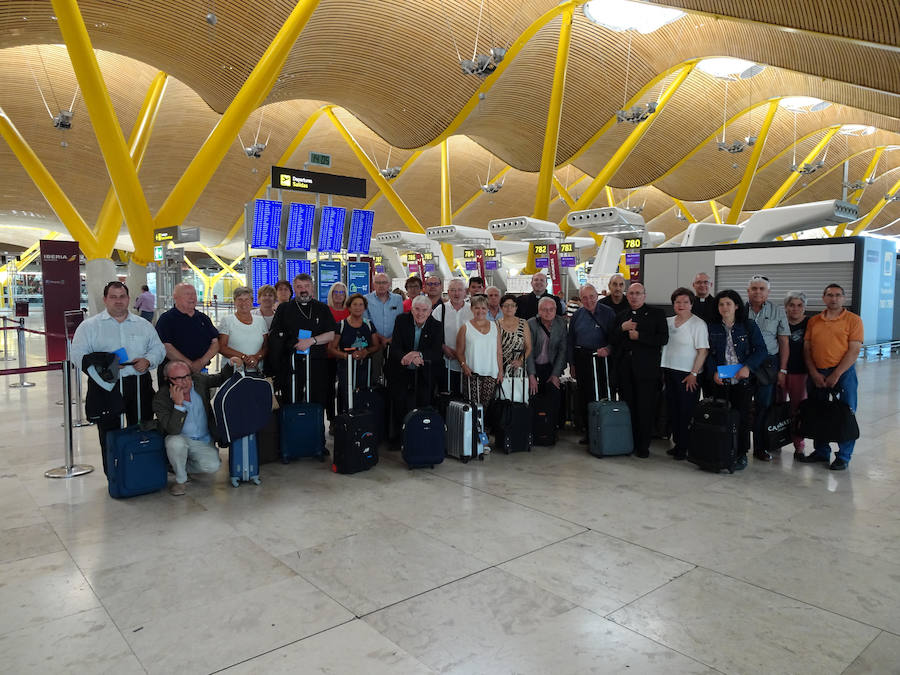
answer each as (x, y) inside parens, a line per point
(187, 455)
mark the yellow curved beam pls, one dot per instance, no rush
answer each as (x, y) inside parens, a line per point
(567, 198)
(251, 95)
(831, 170)
(554, 114)
(110, 219)
(103, 119)
(610, 200)
(403, 167)
(49, 188)
(479, 192)
(870, 216)
(795, 175)
(284, 159)
(714, 207)
(752, 164)
(684, 209)
(446, 213)
(857, 194)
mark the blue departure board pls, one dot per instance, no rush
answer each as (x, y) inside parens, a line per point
(300, 227)
(293, 267)
(331, 229)
(263, 271)
(361, 222)
(266, 224)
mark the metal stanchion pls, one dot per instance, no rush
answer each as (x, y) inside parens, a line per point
(21, 384)
(78, 402)
(6, 356)
(70, 469)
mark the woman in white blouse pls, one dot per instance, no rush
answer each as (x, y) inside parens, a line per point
(478, 349)
(242, 334)
(682, 360)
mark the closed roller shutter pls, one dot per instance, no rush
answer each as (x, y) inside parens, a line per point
(810, 278)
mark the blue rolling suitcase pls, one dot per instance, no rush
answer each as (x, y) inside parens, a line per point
(243, 460)
(135, 459)
(609, 423)
(355, 435)
(424, 439)
(302, 425)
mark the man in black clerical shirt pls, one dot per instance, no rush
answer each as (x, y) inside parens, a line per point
(302, 312)
(527, 305)
(704, 304)
(616, 299)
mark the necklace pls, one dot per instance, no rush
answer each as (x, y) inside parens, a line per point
(302, 313)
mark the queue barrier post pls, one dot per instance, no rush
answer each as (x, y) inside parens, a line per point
(20, 335)
(70, 469)
(6, 356)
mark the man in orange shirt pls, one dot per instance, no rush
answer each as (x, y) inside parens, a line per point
(832, 343)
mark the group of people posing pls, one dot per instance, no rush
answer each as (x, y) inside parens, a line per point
(474, 342)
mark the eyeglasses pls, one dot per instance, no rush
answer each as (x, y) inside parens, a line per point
(173, 378)
(432, 283)
(336, 292)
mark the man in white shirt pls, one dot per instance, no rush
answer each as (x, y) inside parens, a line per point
(114, 329)
(452, 314)
(383, 309)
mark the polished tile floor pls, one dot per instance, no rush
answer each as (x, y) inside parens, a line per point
(548, 562)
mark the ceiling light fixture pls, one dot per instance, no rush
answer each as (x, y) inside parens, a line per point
(390, 172)
(624, 15)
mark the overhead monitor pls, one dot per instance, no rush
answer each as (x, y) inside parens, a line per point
(266, 224)
(361, 222)
(263, 271)
(295, 266)
(331, 229)
(301, 218)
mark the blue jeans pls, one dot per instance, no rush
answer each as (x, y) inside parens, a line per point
(846, 391)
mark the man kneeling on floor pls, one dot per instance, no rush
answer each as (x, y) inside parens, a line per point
(186, 419)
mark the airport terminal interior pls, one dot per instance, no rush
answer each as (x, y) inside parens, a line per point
(224, 144)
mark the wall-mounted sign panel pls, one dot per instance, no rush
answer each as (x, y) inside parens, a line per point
(301, 218)
(263, 271)
(331, 229)
(361, 223)
(329, 273)
(266, 224)
(319, 159)
(633, 242)
(284, 178)
(295, 266)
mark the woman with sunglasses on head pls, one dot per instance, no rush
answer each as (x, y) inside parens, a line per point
(337, 303)
(735, 340)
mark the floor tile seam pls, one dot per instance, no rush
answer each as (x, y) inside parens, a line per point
(871, 642)
(793, 598)
(608, 615)
(36, 624)
(37, 555)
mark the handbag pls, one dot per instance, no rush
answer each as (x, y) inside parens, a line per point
(779, 422)
(766, 374)
(827, 420)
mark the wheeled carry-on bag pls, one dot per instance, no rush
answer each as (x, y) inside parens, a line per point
(609, 422)
(424, 441)
(713, 444)
(466, 438)
(355, 435)
(302, 424)
(374, 397)
(512, 432)
(243, 460)
(544, 419)
(135, 458)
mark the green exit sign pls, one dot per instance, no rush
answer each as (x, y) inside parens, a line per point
(319, 159)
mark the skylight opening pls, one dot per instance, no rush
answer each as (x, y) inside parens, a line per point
(803, 104)
(857, 130)
(727, 68)
(624, 15)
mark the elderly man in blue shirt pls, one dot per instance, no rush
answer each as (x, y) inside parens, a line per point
(384, 308)
(589, 338)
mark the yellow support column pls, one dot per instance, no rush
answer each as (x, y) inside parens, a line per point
(554, 114)
(619, 157)
(110, 219)
(471, 200)
(870, 216)
(610, 200)
(446, 212)
(684, 209)
(224, 265)
(795, 175)
(567, 198)
(103, 118)
(251, 95)
(403, 167)
(715, 211)
(857, 194)
(752, 164)
(48, 187)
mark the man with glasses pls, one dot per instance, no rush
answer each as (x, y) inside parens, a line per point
(528, 304)
(185, 417)
(452, 315)
(830, 348)
(434, 288)
(382, 310)
(704, 304)
(117, 350)
(776, 333)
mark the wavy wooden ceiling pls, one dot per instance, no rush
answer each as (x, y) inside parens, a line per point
(392, 66)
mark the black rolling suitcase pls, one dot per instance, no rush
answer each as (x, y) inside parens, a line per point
(512, 421)
(424, 433)
(544, 407)
(374, 397)
(355, 433)
(713, 443)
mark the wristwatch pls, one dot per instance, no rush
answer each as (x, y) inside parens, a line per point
(693, 373)
(783, 371)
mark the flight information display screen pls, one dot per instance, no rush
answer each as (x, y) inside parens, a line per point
(300, 227)
(293, 267)
(331, 228)
(263, 271)
(361, 222)
(266, 224)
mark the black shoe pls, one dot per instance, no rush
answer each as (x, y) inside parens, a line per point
(583, 441)
(762, 456)
(814, 457)
(643, 454)
(838, 465)
(740, 463)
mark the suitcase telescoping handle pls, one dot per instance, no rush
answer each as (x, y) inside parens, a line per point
(123, 418)
(351, 378)
(306, 388)
(596, 383)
